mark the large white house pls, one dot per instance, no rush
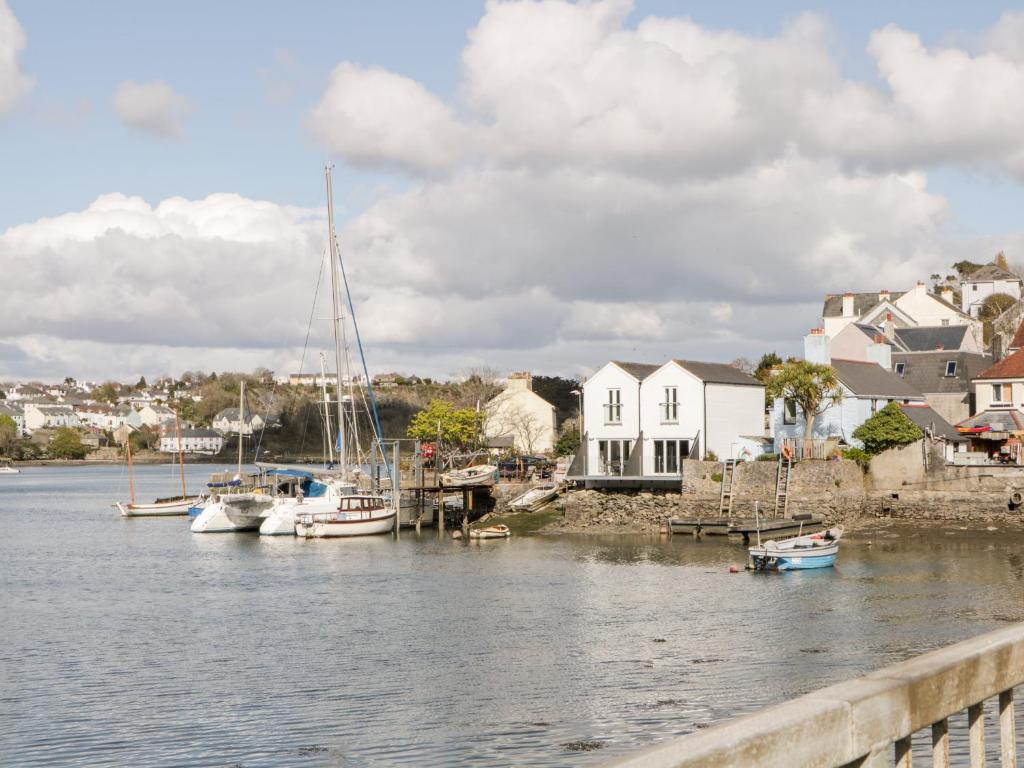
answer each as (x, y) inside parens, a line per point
(910, 309)
(520, 413)
(984, 282)
(193, 441)
(641, 420)
(153, 415)
(48, 415)
(227, 421)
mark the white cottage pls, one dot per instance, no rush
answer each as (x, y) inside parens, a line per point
(521, 414)
(640, 421)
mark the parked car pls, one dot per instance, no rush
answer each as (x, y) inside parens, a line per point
(520, 465)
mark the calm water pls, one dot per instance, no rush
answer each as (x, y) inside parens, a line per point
(135, 642)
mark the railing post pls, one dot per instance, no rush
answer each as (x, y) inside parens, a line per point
(1007, 731)
(976, 724)
(940, 744)
(904, 759)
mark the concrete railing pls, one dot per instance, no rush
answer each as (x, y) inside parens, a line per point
(869, 721)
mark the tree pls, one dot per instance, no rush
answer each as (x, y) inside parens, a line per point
(1000, 261)
(459, 427)
(106, 392)
(768, 361)
(568, 443)
(966, 268)
(744, 364)
(141, 383)
(8, 433)
(888, 428)
(991, 308)
(813, 387)
(66, 444)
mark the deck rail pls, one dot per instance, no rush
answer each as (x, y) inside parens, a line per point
(869, 721)
(798, 448)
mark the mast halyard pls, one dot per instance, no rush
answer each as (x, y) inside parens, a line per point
(241, 416)
(339, 328)
(327, 409)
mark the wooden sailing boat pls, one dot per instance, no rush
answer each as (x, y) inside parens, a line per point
(174, 505)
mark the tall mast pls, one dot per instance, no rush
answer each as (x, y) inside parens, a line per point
(181, 452)
(339, 329)
(241, 416)
(327, 407)
(131, 472)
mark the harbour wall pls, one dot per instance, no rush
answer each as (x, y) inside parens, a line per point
(912, 482)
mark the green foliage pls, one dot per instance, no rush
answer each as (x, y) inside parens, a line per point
(889, 428)
(768, 457)
(66, 444)
(106, 392)
(966, 268)
(144, 438)
(559, 392)
(991, 308)
(812, 386)
(568, 443)
(768, 361)
(856, 454)
(711, 456)
(8, 433)
(141, 383)
(1000, 261)
(716, 477)
(459, 427)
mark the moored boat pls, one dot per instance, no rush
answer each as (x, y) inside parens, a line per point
(7, 469)
(361, 514)
(817, 550)
(491, 532)
(535, 497)
(178, 505)
(478, 474)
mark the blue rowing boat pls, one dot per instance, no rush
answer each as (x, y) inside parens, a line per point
(817, 550)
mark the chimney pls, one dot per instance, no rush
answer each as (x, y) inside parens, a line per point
(887, 326)
(883, 295)
(520, 380)
(880, 351)
(816, 347)
(947, 294)
(920, 288)
(847, 305)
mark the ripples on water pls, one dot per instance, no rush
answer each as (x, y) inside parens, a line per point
(134, 642)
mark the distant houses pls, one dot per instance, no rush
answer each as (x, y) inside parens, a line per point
(201, 441)
(227, 421)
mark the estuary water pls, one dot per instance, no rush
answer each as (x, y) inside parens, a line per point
(135, 642)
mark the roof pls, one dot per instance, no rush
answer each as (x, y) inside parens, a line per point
(1018, 338)
(718, 373)
(872, 380)
(231, 414)
(10, 410)
(1011, 367)
(925, 417)
(927, 338)
(1006, 420)
(926, 371)
(862, 302)
(990, 272)
(638, 371)
(198, 433)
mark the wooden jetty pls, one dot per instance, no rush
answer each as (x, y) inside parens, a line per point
(747, 527)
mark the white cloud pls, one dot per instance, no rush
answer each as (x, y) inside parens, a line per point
(14, 83)
(152, 108)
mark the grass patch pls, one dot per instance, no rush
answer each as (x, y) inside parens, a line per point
(524, 522)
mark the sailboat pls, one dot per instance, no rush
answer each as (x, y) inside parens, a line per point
(346, 507)
(173, 505)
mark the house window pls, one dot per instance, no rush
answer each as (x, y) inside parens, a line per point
(945, 321)
(789, 411)
(997, 393)
(668, 454)
(613, 408)
(974, 286)
(901, 369)
(670, 406)
(874, 406)
(951, 367)
(612, 455)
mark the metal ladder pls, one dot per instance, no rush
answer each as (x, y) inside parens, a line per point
(728, 477)
(782, 486)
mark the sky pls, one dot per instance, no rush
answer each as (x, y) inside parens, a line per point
(518, 185)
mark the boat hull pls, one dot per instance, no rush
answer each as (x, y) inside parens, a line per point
(214, 519)
(483, 475)
(801, 553)
(490, 533)
(248, 512)
(161, 509)
(324, 527)
(793, 562)
(278, 522)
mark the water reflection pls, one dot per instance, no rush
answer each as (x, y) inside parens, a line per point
(135, 642)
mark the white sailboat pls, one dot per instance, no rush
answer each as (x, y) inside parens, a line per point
(172, 506)
(7, 469)
(346, 508)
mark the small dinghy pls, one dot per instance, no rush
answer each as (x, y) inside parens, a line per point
(536, 497)
(7, 469)
(493, 532)
(817, 550)
(479, 474)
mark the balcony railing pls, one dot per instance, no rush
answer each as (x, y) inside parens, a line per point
(870, 721)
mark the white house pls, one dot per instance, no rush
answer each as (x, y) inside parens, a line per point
(520, 413)
(984, 282)
(909, 309)
(23, 392)
(641, 421)
(193, 441)
(153, 415)
(40, 415)
(227, 421)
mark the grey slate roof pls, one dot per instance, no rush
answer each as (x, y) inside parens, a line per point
(231, 414)
(718, 373)
(926, 371)
(990, 272)
(862, 302)
(928, 420)
(198, 433)
(1007, 420)
(931, 337)
(872, 380)
(871, 331)
(638, 371)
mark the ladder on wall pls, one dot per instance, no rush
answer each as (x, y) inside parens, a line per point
(728, 478)
(782, 474)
